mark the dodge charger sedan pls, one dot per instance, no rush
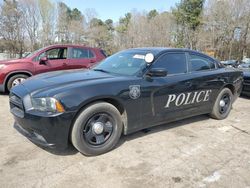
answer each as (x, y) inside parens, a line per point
(129, 91)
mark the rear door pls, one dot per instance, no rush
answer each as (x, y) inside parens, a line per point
(206, 76)
(80, 58)
(57, 60)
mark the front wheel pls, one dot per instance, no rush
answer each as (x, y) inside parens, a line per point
(16, 80)
(223, 104)
(97, 129)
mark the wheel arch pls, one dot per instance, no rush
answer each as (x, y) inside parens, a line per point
(116, 103)
(215, 113)
(231, 87)
(13, 74)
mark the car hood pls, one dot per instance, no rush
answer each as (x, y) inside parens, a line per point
(13, 61)
(59, 79)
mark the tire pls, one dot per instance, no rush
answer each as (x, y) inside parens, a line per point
(222, 109)
(86, 134)
(14, 78)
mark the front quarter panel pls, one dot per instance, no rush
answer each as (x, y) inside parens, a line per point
(76, 99)
(24, 67)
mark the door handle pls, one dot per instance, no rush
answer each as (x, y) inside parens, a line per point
(188, 84)
(64, 64)
(92, 61)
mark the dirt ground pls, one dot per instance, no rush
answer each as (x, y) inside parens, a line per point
(196, 152)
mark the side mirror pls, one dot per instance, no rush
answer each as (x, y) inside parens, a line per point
(43, 60)
(157, 72)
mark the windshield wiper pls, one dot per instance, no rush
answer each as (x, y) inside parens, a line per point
(101, 70)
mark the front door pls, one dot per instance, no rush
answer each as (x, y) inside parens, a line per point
(56, 60)
(167, 98)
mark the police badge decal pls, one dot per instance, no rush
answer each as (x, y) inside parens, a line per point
(134, 91)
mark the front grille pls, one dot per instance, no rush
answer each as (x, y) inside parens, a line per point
(15, 101)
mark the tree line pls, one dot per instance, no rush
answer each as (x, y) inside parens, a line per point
(217, 27)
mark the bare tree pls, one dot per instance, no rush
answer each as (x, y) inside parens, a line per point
(216, 28)
(47, 13)
(90, 13)
(11, 22)
(62, 22)
(147, 29)
(31, 21)
(226, 28)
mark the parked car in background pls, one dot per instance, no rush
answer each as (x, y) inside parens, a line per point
(230, 63)
(245, 64)
(51, 58)
(246, 83)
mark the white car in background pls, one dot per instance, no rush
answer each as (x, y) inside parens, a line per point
(245, 64)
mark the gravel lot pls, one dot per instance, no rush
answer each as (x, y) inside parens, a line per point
(196, 152)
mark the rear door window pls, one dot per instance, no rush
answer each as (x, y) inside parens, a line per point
(200, 63)
(81, 53)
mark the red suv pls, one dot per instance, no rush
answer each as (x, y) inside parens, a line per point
(52, 58)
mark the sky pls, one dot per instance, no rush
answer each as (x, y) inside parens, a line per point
(114, 9)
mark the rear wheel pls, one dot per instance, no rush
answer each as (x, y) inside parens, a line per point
(16, 80)
(97, 129)
(223, 104)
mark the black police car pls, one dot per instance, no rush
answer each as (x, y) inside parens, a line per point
(246, 82)
(129, 91)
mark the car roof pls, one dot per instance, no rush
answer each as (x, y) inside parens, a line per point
(69, 45)
(159, 50)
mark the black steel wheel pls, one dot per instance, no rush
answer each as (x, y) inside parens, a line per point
(97, 129)
(223, 104)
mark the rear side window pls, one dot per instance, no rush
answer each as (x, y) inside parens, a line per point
(174, 63)
(81, 53)
(199, 63)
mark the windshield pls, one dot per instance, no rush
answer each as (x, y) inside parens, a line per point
(123, 63)
(33, 53)
(247, 60)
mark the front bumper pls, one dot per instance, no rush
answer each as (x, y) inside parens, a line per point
(34, 137)
(43, 129)
(52, 132)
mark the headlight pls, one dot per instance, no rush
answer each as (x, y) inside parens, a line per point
(47, 104)
(2, 66)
